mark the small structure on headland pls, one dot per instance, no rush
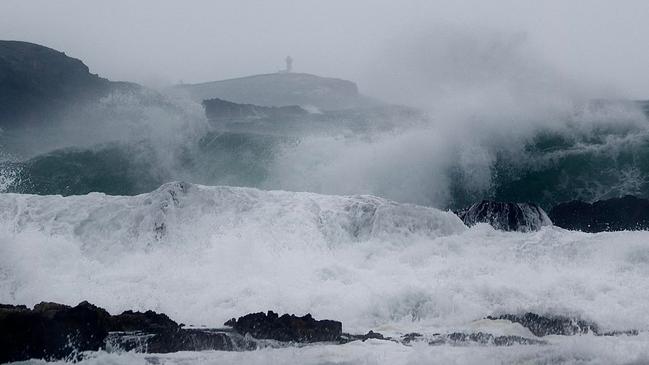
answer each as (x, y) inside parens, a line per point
(289, 65)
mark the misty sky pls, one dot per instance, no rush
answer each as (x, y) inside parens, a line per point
(602, 43)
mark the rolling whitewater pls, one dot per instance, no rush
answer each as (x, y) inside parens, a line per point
(210, 209)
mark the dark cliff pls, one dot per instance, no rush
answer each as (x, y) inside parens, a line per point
(37, 83)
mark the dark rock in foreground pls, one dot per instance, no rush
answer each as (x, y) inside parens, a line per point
(287, 328)
(627, 213)
(148, 321)
(192, 339)
(521, 217)
(54, 331)
(51, 331)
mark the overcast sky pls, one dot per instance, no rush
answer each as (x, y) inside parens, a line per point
(154, 41)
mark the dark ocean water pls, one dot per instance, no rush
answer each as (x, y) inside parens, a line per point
(549, 168)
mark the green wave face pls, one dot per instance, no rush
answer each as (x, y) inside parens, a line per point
(548, 168)
(554, 168)
(108, 169)
(239, 159)
(586, 173)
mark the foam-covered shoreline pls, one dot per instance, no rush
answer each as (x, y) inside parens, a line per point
(206, 254)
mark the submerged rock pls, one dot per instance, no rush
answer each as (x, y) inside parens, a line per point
(288, 328)
(521, 217)
(371, 335)
(458, 338)
(550, 325)
(627, 213)
(559, 325)
(193, 339)
(411, 337)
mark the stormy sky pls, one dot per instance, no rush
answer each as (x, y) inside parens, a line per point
(375, 43)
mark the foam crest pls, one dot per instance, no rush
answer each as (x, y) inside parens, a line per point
(206, 254)
(100, 222)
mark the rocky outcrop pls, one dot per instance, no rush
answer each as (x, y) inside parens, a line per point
(541, 325)
(219, 111)
(148, 321)
(181, 339)
(627, 213)
(37, 82)
(287, 328)
(550, 325)
(521, 217)
(51, 331)
(54, 331)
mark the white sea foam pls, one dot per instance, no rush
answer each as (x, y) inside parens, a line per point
(206, 254)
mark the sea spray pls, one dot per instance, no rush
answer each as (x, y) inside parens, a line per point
(207, 254)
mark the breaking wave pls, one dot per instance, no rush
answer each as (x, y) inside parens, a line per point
(206, 254)
(342, 215)
(592, 151)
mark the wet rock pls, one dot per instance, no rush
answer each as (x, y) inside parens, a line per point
(346, 337)
(9, 307)
(55, 331)
(411, 337)
(627, 213)
(287, 328)
(618, 333)
(560, 325)
(51, 331)
(148, 321)
(153, 332)
(521, 217)
(372, 335)
(550, 325)
(458, 338)
(179, 340)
